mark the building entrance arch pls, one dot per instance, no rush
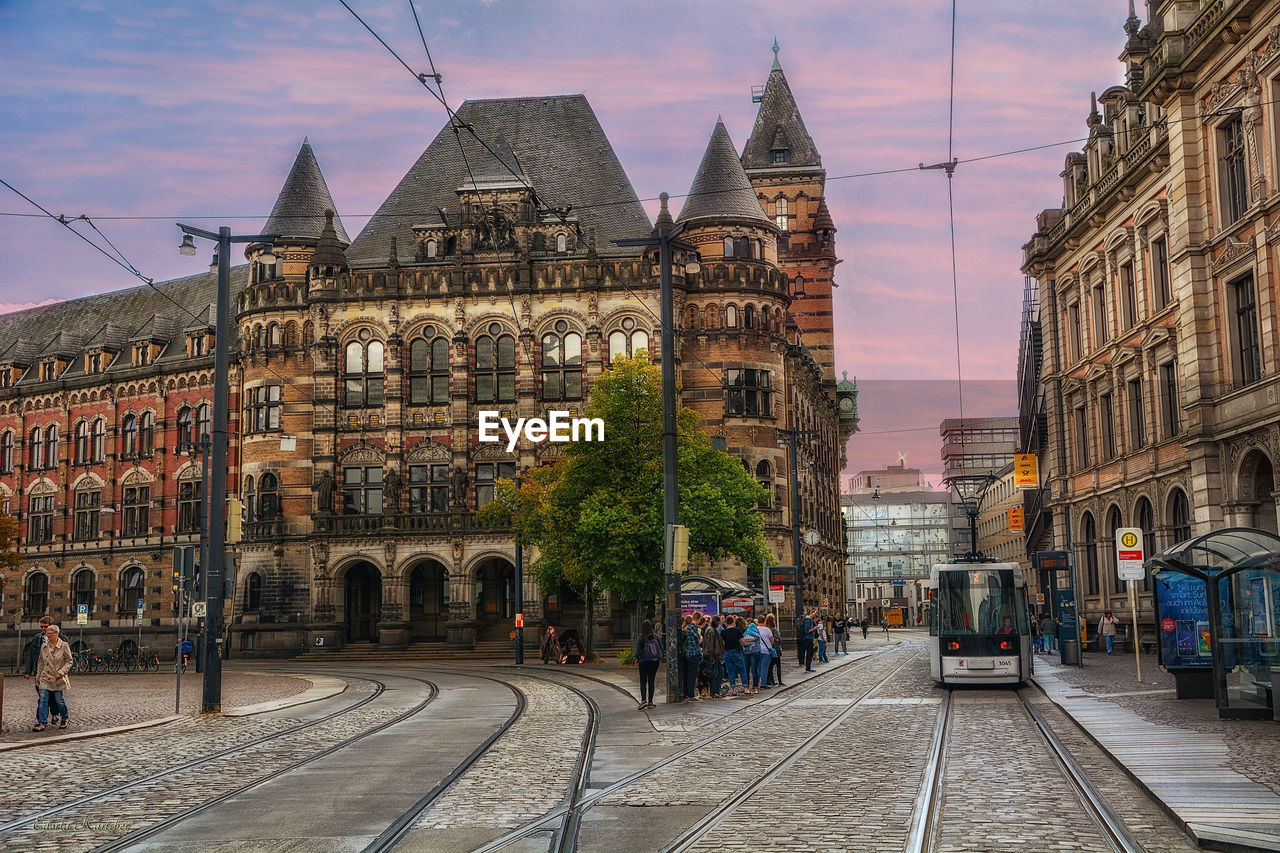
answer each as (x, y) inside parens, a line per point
(1255, 485)
(428, 601)
(495, 597)
(363, 588)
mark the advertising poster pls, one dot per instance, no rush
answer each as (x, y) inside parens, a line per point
(1183, 622)
(701, 602)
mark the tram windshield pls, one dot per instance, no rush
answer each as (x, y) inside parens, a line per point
(979, 601)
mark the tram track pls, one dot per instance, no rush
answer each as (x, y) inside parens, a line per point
(925, 832)
(568, 840)
(27, 821)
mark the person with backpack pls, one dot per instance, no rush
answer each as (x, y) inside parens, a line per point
(735, 663)
(752, 646)
(808, 637)
(712, 657)
(649, 656)
(692, 646)
(775, 654)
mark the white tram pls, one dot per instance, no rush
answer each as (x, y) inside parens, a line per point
(979, 624)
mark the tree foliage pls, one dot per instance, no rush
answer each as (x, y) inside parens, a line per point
(596, 514)
(9, 556)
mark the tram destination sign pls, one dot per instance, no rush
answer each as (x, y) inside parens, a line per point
(1129, 553)
(782, 576)
(1052, 561)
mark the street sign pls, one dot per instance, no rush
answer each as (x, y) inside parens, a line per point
(519, 620)
(199, 609)
(777, 593)
(1015, 518)
(82, 614)
(1039, 598)
(1026, 474)
(1129, 553)
(884, 602)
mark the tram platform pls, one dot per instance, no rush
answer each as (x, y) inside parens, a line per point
(1219, 778)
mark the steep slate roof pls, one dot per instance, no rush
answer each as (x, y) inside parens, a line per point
(126, 312)
(500, 167)
(779, 123)
(721, 187)
(299, 209)
(109, 336)
(558, 144)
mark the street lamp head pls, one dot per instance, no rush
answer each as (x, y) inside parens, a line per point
(268, 255)
(693, 263)
(213, 263)
(188, 246)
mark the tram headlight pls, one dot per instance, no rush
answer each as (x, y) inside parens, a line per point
(1004, 645)
(953, 646)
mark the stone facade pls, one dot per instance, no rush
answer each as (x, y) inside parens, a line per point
(488, 280)
(1157, 302)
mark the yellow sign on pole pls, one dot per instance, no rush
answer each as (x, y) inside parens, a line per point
(1026, 472)
(1015, 518)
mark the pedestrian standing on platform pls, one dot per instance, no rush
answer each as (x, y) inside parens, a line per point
(1108, 630)
(800, 640)
(31, 654)
(1037, 641)
(775, 655)
(865, 626)
(884, 626)
(822, 641)
(649, 656)
(766, 652)
(735, 663)
(1048, 631)
(51, 679)
(808, 639)
(840, 627)
(693, 655)
(713, 657)
(752, 653)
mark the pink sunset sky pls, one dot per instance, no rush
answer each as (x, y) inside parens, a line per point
(195, 111)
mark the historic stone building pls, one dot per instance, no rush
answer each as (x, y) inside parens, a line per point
(1155, 332)
(489, 279)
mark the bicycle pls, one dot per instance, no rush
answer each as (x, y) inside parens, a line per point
(82, 661)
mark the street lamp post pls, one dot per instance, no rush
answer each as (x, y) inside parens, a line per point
(665, 240)
(215, 572)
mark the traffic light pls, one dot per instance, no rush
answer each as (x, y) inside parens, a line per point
(184, 568)
(235, 520)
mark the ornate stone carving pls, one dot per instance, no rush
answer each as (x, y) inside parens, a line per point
(1232, 252)
(324, 492)
(458, 549)
(366, 454)
(427, 451)
(458, 480)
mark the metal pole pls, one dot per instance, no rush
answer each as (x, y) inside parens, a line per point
(670, 474)
(177, 645)
(1133, 631)
(212, 699)
(519, 587)
(795, 527)
(204, 447)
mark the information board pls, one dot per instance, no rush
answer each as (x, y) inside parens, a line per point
(702, 602)
(1182, 612)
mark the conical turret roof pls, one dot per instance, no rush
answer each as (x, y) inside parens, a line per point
(779, 125)
(299, 209)
(328, 251)
(721, 187)
(822, 219)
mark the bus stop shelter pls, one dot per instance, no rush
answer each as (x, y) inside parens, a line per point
(1218, 602)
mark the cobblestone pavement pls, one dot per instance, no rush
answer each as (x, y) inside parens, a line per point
(102, 701)
(1253, 744)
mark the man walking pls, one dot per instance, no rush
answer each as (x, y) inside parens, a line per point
(31, 654)
(865, 627)
(840, 626)
(808, 637)
(1048, 632)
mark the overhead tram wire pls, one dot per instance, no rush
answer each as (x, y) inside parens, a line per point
(128, 266)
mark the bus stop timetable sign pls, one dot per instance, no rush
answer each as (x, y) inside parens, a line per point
(1129, 553)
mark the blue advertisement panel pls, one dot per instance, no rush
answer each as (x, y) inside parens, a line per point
(1182, 622)
(702, 602)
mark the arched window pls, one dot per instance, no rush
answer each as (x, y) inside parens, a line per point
(728, 247)
(137, 510)
(88, 509)
(253, 592)
(1147, 522)
(749, 317)
(186, 426)
(429, 369)
(99, 439)
(742, 247)
(764, 476)
(712, 316)
(268, 497)
(82, 443)
(1179, 517)
(190, 502)
(1114, 523)
(6, 452)
(51, 446)
(431, 249)
(363, 373)
(731, 316)
(129, 436)
(204, 422)
(627, 341)
(35, 598)
(495, 366)
(275, 335)
(131, 591)
(562, 364)
(146, 434)
(780, 214)
(562, 244)
(35, 448)
(1089, 544)
(250, 500)
(82, 584)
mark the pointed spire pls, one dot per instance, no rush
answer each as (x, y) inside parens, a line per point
(299, 209)
(822, 220)
(664, 215)
(1094, 118)
(1132, 24)
(779, 122)
(328, 251)
(721, 187)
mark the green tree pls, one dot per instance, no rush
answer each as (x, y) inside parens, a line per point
(596, 514)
